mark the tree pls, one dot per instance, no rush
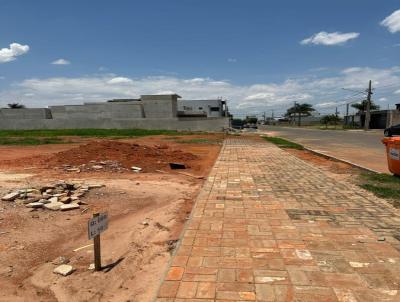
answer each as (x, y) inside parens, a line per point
(301, 110)
(16, 106)
(330, 119)
(362, 107)
(250, 120)
(326, 120)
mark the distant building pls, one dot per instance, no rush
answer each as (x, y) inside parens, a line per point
(208, 108)
(148, 112)
(380, 119)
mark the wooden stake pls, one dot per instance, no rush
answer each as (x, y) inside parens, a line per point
(97, 253)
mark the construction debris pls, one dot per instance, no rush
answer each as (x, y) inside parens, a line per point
(60, 260)
(111, 156)
(64, 270)
(93, 166)
(71, 206)
(136, 169)
(83, 247)
(62, 196)
(11, 196)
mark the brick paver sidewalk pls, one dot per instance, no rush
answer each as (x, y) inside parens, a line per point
(270, 227)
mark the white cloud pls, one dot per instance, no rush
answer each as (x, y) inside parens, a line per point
(392, 22)
(397, 92)
(120, 80)
(382, 99)
(319, 91)
(232, 60)
(11, 53)
(61, 62)
(326, 104)
(335, 38)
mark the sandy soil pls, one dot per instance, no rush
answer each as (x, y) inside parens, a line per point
(147, 213)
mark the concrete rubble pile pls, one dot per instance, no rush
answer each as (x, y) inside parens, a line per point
(62, 196)
(93, 166)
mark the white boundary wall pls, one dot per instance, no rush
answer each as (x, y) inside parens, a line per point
(193, 124)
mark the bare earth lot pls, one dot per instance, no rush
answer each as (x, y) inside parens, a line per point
(147, 212)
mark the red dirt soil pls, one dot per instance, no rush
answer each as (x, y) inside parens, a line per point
(146, 157)
(31, 239)
(149, 158)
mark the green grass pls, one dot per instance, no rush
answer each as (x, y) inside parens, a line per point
(381, 178)
(382, 191)
(283, 143)
(382, 185)
(29, 141)
(88, 133)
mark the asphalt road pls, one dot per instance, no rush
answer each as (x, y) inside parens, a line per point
(357, 146)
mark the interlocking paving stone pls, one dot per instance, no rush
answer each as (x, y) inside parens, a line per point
(268, 226)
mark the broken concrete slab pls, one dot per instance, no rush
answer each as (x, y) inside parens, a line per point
(70, 206)
(34, 205)
(95, 186)
(78, 195)
(59, 195)
(31, 200)
(44, 201)
(54, 206)
(64, 270)
(65, 199)
(53, 199)
(10, 196)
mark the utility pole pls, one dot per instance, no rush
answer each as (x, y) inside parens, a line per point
(336, 114)
(368, 111)
(295, 108)
(347, 113)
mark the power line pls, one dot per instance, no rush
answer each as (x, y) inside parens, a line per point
(358, 92)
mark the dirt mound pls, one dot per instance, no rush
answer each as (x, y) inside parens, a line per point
(127, 155)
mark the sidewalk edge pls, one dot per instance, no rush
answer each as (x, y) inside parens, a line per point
(319, 153)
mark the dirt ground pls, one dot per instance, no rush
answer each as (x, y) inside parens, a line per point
(147, 212)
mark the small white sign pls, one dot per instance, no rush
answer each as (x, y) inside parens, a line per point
(97, 225)
(394, 154)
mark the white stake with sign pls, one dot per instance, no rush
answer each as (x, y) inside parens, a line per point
(97, 225)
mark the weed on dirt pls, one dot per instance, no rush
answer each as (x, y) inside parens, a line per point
(283, 143)
(382, 185)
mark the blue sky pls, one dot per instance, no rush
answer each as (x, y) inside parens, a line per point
(250, 52)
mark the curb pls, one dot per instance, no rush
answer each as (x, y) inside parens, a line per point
(319, 153)
(185, 228)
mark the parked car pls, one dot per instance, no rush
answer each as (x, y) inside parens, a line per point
(394, 130)
(251, 126)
